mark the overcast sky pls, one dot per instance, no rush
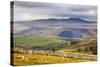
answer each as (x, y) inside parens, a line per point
(35, 10)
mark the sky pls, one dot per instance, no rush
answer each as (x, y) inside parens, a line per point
(24, 11)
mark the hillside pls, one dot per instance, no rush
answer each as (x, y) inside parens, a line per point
(34, 42)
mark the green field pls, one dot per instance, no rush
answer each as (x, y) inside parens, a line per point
(38, 42)
(47, 43)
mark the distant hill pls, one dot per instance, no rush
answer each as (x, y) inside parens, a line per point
(68, 34)
(51, 26)
(73, 20)
(75, 33)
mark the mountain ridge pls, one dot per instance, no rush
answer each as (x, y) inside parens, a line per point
(56, 19)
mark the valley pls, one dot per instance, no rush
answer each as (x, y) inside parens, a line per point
(71, 50)
(66, 40)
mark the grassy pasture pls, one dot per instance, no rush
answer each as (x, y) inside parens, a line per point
(41, 42)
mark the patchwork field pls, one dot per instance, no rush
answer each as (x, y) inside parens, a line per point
(55, 47)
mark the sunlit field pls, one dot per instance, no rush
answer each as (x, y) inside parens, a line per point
(32, 59)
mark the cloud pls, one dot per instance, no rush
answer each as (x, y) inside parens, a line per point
(35, 10)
